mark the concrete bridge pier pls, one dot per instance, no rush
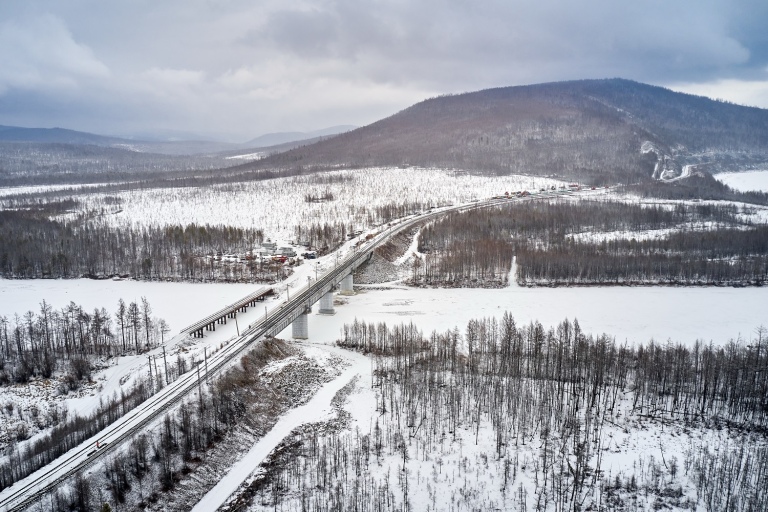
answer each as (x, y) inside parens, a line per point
(347, 285)
(300, 326)
(326, 304)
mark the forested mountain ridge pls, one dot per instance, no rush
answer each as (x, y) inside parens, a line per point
(269, 141)
(603, 131)
(55, 135)
(43, 156)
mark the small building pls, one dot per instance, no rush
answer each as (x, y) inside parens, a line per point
(286, 251)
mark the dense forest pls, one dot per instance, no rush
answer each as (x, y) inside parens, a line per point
(33, 246)
(560, 242)
(32, 163)
(535, 411)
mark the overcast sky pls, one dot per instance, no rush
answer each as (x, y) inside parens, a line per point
(240, 68)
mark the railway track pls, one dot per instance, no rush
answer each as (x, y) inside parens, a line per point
(36, 486)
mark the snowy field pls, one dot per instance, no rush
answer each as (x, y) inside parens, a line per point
(745, 181)
(75, 189)
(596, 237)
(277, 205)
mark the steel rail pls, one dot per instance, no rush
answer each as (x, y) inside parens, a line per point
(34, 487)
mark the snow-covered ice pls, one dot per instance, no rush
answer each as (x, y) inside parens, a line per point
(635, 314)
(179, 304)
(745, 181)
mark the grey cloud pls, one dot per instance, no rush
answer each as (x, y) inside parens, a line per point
(236, 65)
(654, 39)
(40, 53)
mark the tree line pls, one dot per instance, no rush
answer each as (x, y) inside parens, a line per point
(33, 163)
(540, 403)
(154, 463)
(722, 257)
(560, 242)
(40, 344)
(34, 246)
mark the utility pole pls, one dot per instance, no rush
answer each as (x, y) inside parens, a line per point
(165, 361)
(309, 298)
(199, 387)
(205, 354)
(151, 382)
(237, 326)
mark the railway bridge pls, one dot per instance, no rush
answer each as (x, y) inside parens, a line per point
(39, 484)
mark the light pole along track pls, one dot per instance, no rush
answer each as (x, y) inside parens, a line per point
(37, 485)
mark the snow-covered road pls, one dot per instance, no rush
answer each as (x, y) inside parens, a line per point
(317, 409)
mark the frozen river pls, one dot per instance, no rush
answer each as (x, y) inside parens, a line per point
(180, 304)
(635, 314)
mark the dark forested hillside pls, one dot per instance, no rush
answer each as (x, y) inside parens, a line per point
(571, 243)
(593, 130)
(36, 163)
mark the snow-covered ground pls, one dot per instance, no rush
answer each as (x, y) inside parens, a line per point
(277, 205)
(248, 156)
(745, 181)
(634, 314)
(9, 191)
(632, 448)
(637, 314)
(317, 409)
(644, 234)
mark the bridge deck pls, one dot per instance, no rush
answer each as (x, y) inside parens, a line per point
(209, 322)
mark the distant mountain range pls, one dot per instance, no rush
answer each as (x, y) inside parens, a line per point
(595, 131)
(55, 135)
(170, 147)
(611, 130)
(37, 156)
(274, 139)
